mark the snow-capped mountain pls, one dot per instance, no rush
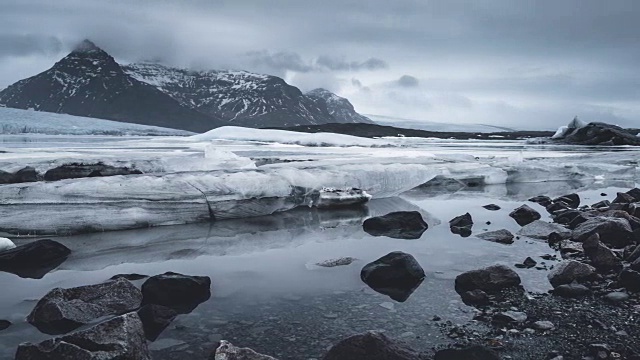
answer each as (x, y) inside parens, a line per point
(340, 108)
(89, 82)
(239, 97)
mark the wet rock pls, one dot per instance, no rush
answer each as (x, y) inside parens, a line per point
(227, 351)
(623, 198)
(62, 310)
(524, 215)
(398, 225)
(571, 290)
(182, 293)
(343, 261)
(542, 200)
(601, 204)
(155, 318)
(396, 275)
(502, 236)
(475, 297)
(635, 192)
(602, 258)
(117, 339)
(543, 325)
(615, 232)
(569, 271)
(630, 279)
(492, 207)
(470, 353)
(130, 277)
(4, 324)
(490, 279)
(572, 200)
(529, 262)
(461, 225)
(35, 259)
(557, 208)
(371, 346)
(77, 170)
(26, 174)
(616, 297)
(510, 317)
(539, 229)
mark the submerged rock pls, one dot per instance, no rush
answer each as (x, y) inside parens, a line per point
(62, 310)
(343, 261)
(569, 271)
(155, 318)
(396, 275)
(182, 293)
(502, 236)
(121, 338)
(4, 324)
(470, 353)
(399, 225)
(461, 225)
(227, 351)
(490, 279)
(33, 260)
(524, 215)
(492, 207)
(371, 346)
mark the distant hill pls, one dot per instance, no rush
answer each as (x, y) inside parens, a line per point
(340, 108)
(374, 130)
(435, 126)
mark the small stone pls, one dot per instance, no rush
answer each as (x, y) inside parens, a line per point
(330, 315)
(616, 297)
(543, 325)
(492, 207)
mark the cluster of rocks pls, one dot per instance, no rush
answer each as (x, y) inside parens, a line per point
(595, 133)
(65, 171)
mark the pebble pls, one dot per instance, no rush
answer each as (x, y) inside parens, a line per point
(330, 315)
(616, 297)
(543, 325)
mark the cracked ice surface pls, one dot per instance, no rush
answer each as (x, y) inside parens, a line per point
(196, 179)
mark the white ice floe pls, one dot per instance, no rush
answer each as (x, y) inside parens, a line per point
(286, 137)
(6, 244)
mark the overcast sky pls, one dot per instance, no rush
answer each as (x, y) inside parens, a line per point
(524, 64)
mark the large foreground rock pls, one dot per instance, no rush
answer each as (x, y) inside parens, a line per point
(399, 225)
(62, 310)
(396, 275)
(120, 338)
(227, 351)
(469, 353)
(539, 229)
(524, 215)
(182, 293)
(491, 279)
(371, 346)
(615, 232)
(569, 271)
(35, 259)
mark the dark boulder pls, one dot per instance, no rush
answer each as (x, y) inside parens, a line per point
(6, 177)
(77, 170)
(182, 293)
(121, 338)
(572, 200)
(371, 346)
(399, 225)
(636, 265)
(571, 290)
(602, 258)
(476, 352)
(491, 279)
(4, 324)
(542, 200)
(557, 208)
(635, 192)
(26, 174)
(615, 232)
(570, 271)
(396, 275)
(597, 133)
(623, 198)
(35, 259)
(63, 310)
(492, 207)
(524, 215)
(475, 297)
(502, 236)
(227, 351)
(630, 279)
(461, 225)
(569, 217)
(155, 318)
(601, 204)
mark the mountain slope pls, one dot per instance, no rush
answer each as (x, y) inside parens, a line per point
(241, 98)
(89, 82)
(436, 126)
(340, 108)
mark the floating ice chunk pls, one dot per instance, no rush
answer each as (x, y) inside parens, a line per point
(561, 132)
(286, 137)
(6, 244)
(330, 197)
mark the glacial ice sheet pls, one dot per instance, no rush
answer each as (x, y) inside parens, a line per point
(197, 181)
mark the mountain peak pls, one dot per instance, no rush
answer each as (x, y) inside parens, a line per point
(86, 45)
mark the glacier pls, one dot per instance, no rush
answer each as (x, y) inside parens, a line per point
(237, 173)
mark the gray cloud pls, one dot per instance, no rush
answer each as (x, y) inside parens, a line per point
(492, 61)
(408, 81)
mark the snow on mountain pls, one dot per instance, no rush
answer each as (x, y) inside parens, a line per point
(89, 82)
(17, 121)
(340, 108)
(435, 126)
(241, 98)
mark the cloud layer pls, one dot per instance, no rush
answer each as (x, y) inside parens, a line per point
(534, 64)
